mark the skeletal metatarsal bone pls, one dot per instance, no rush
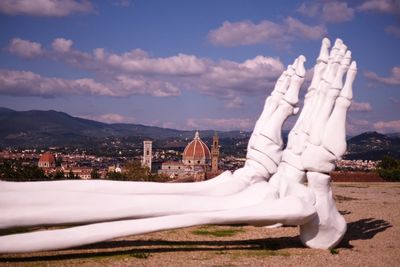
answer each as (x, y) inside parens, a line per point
(287, 104)
(292, 94)
(327, 100)
(289, 210)
(271, 105)
(334, 138)
(310, 98)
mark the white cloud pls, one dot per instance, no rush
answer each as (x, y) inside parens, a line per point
(137, 61)
(24, 48)
(383, 6)
(248, 33)
(27, 83)
(62, 45)
(328, 11)
(387, 126)
(303, 31)
(128, 85)
(47, 8)
(236, 102)
(337, 12)
(393, 80)
(360, 106)
(220, 124)
(252, 75)
(109, 118)
(136, 71)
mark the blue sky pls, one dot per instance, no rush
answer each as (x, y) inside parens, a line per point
(190, 64)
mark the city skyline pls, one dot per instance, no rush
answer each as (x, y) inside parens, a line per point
(190, 65)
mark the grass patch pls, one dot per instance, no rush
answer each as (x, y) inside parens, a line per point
(140, 255)
(261, 253)
(217, 232)
(352, 186)
(341, 198)
(334, 251)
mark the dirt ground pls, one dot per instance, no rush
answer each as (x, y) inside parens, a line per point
(373, 239)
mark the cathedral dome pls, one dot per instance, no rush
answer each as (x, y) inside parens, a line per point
(47, 160)
(196, 152)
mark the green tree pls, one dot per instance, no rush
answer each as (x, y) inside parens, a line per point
(59, 175)
(94, 174)
(15, 170)
(116, 176)
(389, 169)
(134, 171)
(72, 176)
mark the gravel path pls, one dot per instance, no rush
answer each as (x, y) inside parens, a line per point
(373, 239)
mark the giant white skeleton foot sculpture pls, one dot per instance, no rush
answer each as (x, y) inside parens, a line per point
(312, 207)
(264, 154)
(66, 202)
(316, 141)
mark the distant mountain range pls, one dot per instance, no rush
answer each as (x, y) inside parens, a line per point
(37, 128)
(43, 129)
(373, 146)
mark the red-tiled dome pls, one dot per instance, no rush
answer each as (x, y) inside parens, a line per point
(196, 152)
(47, 160)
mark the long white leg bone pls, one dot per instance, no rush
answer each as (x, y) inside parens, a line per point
(289, 210)
(54, 208)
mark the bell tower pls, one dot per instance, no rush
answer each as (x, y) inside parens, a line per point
(147, 154)
(214, 153)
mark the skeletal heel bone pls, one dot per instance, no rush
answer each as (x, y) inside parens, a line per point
(327, 229)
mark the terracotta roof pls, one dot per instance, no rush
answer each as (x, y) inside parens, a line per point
(47, 157)
(196, 150)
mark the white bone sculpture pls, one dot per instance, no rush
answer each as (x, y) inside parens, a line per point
(268, 190)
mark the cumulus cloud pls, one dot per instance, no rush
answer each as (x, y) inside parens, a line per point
(248, 33)
(220, 124)
(382, 6)
(62, 45)
(387, 126)
(249, 76)
(24, 48)
(27, 83)
(236, 102)
(393, 79)
(109, 118)
(360, 106)
(139, 62)
(139, 72)
(32, 84)
(330, 11)
(45, 8)
(127, 85)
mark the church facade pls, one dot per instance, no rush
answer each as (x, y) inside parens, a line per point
(196, 160)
